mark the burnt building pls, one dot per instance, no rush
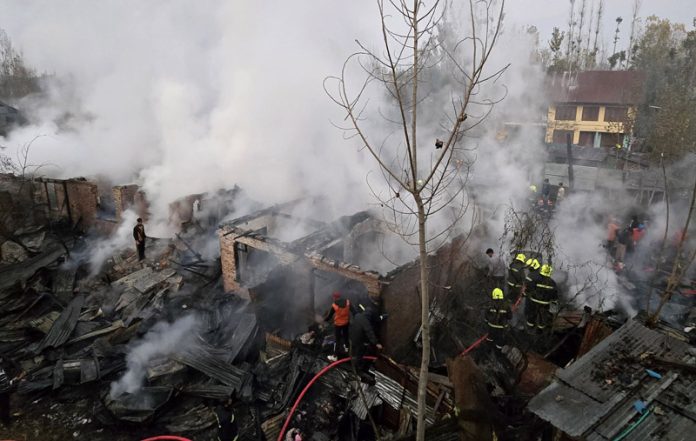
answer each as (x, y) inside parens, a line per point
(289, 264)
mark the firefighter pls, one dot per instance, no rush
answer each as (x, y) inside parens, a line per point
(544, 294)
(516, 275)
(340, 311)
(532, 269)
(362, 335)
(497, 315)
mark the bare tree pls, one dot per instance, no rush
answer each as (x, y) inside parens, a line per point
(683, 260)
(421, 62)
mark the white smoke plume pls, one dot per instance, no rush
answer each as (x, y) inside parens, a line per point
(186, 98)
(162, 340)
(99, 251)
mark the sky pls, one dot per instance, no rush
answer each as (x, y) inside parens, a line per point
(545, 14)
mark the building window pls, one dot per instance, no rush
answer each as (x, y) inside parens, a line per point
(615, 114)
(586, 139)
(559, 136)
(612, 139)
(590, 113)
(565, 113)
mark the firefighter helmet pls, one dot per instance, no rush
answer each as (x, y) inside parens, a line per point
(521, 257)
(533, 188)
(533, 263)
(497, 294)
(546, 270)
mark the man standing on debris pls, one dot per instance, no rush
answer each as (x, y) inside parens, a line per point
(5, 389)
(139, 236)
(543, 296)
(362, 334)
(340, 311)
(227, 426)
(496, 269)
(545, 191)
(497, 315)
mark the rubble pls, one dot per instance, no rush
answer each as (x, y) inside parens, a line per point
(102, 338)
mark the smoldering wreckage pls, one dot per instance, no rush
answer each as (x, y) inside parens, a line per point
(130, 349)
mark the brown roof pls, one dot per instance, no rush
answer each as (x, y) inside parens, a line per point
(597, 87)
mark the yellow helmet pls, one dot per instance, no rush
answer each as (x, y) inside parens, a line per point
(546, 270)
(497, 294)
(533, 263)
(533, 188)
(521, 257)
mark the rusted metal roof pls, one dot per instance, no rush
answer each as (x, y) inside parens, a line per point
(594, 398)
(619, 87)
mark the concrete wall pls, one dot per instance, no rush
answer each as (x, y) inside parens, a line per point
(578, 125)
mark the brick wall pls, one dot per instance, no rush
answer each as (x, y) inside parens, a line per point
(124, 198)
(229, 270)
(82, 198)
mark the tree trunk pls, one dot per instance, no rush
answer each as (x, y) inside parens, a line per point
(425, 321)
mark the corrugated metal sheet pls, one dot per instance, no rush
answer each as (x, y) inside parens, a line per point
(594, 397)
(590, 373)
(397, 397)
(568, 409)
(372, 398)
(64, 325)
(214, 366)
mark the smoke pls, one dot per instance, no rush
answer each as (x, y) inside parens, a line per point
(162, 340)
(99, 250)
(579, 227)
(187, 99)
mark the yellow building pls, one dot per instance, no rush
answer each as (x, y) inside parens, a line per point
(597, 108)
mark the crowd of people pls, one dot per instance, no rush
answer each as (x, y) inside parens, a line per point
(545, 199)
(623, 240)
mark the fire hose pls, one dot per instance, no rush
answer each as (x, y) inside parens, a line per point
(306, 388)
(166, 438)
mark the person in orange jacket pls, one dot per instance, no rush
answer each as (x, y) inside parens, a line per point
(340, 311)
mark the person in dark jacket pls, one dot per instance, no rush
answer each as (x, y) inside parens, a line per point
(139, 236)
(228, 429)
(544, 294)
(340, 311)
(5, 391)
(362, 334)
(545, 191)
(531, 280)
(516, 276)
(498, 314)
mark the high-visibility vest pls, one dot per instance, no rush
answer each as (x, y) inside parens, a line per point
(341, 315)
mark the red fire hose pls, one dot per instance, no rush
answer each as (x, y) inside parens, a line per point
(167, 438)
(306, 388)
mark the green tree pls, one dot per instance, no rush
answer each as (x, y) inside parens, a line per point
(666, 52)
(17, 80)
